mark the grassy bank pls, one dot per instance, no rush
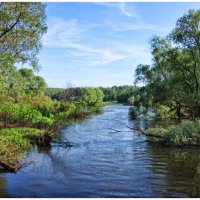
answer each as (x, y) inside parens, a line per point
(186, 134)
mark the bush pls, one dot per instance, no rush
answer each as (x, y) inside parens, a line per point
(24, 115)
(185, 134)
(133, 113)
(188, 133)
(14, 141)
(44, 104)
(163, 112)
(131, 100)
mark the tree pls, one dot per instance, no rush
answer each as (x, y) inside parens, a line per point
(33, 85)
(21, 28)
(131, 100)
(174, 77)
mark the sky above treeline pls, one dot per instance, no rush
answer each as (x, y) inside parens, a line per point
(100, 44)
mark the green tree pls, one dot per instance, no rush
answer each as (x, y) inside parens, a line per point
(131, 100)
(173, 78)
(90, 96)
(33, 85)
(21, 28)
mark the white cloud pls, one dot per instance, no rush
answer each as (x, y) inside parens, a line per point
(128, 11)
(68, 34)
(62, 31)
(95, 56)
(132, 26)
(132, 21)
(72, 36)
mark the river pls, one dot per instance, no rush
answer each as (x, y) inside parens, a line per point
(104, 163)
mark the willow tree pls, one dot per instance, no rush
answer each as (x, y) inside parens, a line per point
(174, 77)
(21, 28)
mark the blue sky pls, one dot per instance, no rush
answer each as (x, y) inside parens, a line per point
(100, 44)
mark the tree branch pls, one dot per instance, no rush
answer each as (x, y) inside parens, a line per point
(11, 27)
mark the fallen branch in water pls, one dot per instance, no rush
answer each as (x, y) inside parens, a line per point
(14, 167)
(65, 144)
(114, 130)
(117, 131)
(25, 164)
(138, 129)
(9, 167)
(142, 131)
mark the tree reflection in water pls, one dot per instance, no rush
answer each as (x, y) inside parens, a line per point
(180, 169)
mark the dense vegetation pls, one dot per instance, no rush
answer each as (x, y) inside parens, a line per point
(54, 93)
(27, 114)
(172, 83)
(185, 134)
(30, 112)
(121, 94)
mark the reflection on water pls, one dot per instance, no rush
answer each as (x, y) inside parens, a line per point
(181, 168)
(104, 163)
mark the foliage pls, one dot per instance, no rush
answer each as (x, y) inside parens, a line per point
(115, 93)
(131, 100)
(87, 97)
(163, 112)
(16, 141)
(173, 78)
(33, 85)
(133, 112)
(119, 93)
(185, 134)
(21, 28)
(54, 93)
(23, 115)
(90, 96)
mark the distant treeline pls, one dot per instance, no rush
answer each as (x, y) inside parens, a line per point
(121, 94)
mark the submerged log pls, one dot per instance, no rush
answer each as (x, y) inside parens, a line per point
(14, 167)
(64, 144)
(8, 166)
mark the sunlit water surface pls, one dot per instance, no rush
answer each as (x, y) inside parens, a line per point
(104, 163)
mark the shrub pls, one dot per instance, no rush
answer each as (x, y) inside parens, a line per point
(24, 115)
(14, 141)
(133, 112)
(185, 134)
(163, 112)
(188, 133)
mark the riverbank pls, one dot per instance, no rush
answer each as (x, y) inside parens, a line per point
(104, 164)
(186, 134)
(22, 125)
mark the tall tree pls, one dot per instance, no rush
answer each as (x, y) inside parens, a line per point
(174, 77)
(21, 28)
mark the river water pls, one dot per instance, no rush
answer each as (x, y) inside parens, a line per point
(105, 163)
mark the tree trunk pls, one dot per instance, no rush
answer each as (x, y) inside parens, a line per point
(178, 111)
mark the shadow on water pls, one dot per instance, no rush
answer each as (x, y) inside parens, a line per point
(106, 164)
